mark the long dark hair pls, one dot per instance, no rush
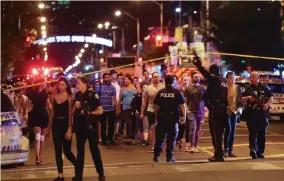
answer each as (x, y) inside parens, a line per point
(68, 88)
(128, 77)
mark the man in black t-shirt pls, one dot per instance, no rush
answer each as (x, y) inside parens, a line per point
(169, 105)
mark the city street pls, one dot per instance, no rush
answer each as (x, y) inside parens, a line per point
(124, 162)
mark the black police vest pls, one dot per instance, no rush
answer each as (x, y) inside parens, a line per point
(168, 102)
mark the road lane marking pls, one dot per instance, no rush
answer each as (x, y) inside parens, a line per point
(242, 128)
(239, 135)
(243, 144)
(111, 165)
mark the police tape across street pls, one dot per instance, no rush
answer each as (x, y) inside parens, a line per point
(152, 60)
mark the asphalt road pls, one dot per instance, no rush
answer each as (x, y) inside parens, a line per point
(123, 162)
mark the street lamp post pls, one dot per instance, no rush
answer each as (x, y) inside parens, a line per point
(161, 17)
(100, 26)
(118, 13)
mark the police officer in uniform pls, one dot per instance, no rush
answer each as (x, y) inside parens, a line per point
(216, 101)
(86, 110)
(169, 103)
(258, 98)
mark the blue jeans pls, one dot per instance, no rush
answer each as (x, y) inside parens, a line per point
(230, 132)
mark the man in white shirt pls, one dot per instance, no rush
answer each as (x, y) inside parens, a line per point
(114, 82)
(147, 108)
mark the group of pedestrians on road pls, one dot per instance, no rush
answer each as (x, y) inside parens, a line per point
(157, 112)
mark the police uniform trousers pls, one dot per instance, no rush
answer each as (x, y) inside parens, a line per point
(82, 134)
(218, 119)
(167, 127)
(257, 124)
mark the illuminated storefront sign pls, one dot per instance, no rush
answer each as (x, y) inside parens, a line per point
(74, 39)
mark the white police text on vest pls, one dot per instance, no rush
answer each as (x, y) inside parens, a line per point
(171, 95)
(223, 84)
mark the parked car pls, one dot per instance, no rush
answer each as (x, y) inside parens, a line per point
(14, 146)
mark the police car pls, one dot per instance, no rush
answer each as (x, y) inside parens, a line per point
(14, 146)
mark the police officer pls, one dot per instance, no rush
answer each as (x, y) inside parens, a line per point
(216, 101)
(86, 110)
(169, 103)
(258, 98)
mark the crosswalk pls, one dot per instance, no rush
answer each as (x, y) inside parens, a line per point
(154, 169)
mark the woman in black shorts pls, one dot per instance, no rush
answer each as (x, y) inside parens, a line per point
(39, 116)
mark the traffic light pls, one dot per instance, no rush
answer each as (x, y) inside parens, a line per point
(28, 42)
(159, 41)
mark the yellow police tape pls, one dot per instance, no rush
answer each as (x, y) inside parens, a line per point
(151, 60)
(85, 74)
(246, 56)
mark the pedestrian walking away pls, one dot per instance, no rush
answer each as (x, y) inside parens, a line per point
(215, 97)
(87, 110)
(61, 123)
(259, 99)
(169, 110)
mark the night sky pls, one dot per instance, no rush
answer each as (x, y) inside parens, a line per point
(244, 30)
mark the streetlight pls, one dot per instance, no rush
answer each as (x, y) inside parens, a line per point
(118, 13)
(107, 24)
(161, 16)
(100, 26)
(195, 12)
(80, 55)
(82, 51)
(178, 9)
(41, 6)
(45, 49)
(86, 45)
(42, 19)
(101, 51)
(43, 27)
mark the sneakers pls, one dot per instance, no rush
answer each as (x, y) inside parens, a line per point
(231, 154)
(260, 155)
(192, 150)
(215, 159)
(144, 143)
(226, 154)
(171, 160)
(253, 154)
(196, 150)
(156, 159)
(59, 179)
